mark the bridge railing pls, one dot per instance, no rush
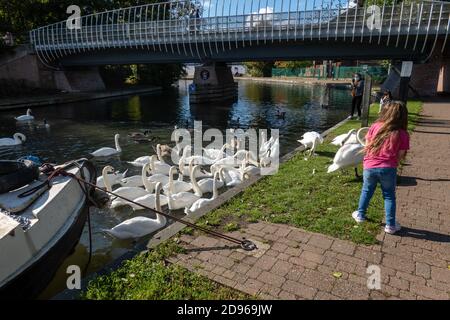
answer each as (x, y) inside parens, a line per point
(182, 28)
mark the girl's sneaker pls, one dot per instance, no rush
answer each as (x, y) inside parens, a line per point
(393, 230)
(357, 217)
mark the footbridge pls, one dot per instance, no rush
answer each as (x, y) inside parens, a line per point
(236, 30)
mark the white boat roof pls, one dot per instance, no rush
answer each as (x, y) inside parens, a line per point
(7, 225)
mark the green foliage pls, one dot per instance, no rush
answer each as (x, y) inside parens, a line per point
(260, 68)
(293, 65)
(149, 277)
(162, 75)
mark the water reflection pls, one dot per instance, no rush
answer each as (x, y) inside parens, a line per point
(80, 128)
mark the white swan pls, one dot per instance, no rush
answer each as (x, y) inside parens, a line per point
(127, 192)
(140, 226)
(186, 170)
(176, 186)
(251, 170)
(349, 155)
(140, 162)
(265, 145)
(233, 177)
(310, 140)
(216, 154)
(158, 167)
(108, 152)
(183, 199)
(17, 139)
(26, 117)
(198, 160)
(135, 181)
(272, 154)
(113, 177)
(149, 200)
(207, 185)
(346, 138)
(200, 203)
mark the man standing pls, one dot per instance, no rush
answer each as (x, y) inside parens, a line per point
(357, 94)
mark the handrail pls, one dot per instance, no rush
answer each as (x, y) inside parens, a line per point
(165, 27)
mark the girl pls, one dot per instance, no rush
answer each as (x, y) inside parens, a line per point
(387, 143)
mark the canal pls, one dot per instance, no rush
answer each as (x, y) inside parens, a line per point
(79, 128)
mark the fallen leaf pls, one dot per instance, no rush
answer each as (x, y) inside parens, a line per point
(448, 267)
(337, 274)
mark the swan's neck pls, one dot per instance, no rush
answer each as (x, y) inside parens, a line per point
(215, 191)
(17, 138)
(195, 185)
(171, 181)
(157, 198)
(147, 184)
(106, 180)
(158, 153)
(28, 112)
(118, 148)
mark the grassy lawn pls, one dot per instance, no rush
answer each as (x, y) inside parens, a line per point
(149, 277)
(317, 202)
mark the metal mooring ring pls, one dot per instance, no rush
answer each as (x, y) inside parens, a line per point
(248, 245)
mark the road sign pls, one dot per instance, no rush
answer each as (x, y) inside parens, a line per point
(407, 67)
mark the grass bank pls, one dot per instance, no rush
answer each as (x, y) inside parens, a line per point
(149, 277)
(304, 195)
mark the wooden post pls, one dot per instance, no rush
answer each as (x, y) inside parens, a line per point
(366, 101)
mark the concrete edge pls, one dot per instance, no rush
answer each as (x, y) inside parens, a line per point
(76, 98)
(177, 227)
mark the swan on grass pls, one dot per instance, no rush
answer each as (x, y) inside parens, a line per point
(346, 138)
(200, 203)
(251, 170)
(198, 160)
(108, 152)
(350, 155)
(17, 139)
(139, 227)
(207, 185)
(26, 117)
(310, 140)
(183, 199)
(216, 154)
(113, 177)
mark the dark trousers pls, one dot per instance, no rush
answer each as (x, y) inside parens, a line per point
(356, 103)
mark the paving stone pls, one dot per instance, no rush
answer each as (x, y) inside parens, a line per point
(440, 274)
(299, 289)
(316, 279)
(423, 270)
(282, 268)
(266, 262)
(320, 241)
(271, 279)
(344, 247)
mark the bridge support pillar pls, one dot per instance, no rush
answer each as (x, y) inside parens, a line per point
(23, 66)
(213, 82)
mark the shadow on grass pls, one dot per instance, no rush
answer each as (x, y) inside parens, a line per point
(326, 154)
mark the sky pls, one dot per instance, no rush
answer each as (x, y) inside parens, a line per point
(215, 7)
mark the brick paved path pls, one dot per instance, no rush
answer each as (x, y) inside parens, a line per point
(295, 264)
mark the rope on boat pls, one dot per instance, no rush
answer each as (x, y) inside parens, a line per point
(245, 244)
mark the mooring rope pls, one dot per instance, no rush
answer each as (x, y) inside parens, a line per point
(245, 244)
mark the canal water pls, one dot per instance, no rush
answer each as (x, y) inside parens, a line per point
(79, 128)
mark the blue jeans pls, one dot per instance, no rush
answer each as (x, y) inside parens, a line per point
(387, 177)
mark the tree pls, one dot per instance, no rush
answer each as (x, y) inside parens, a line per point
(260, 68)
(293, 65)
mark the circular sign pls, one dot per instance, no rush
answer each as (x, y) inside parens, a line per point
(204, 75)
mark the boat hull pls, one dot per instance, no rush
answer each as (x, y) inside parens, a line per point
(32, 281)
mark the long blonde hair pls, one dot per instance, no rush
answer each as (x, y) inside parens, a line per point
(393, 118)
